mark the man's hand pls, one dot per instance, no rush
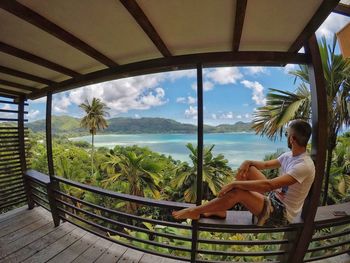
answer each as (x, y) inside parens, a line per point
(225, 189)
(243, 170)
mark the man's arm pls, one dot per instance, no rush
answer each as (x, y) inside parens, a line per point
(259, 185)
(260, 165)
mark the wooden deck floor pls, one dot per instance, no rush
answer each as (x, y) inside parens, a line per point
(30, 236)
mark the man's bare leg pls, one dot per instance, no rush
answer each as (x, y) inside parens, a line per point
(253, 201)
(253, 174)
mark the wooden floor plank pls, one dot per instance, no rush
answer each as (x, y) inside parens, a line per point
(94, 252)
(13, 213)
(23, 231)
(16, 226)
(25, 240)
(75, 250)
(40, 244)
(131, 256)
(112, 254)
(56, 247)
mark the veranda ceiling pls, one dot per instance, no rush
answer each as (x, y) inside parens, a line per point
(55, 45)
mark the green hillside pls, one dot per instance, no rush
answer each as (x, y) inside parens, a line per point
(71, 125)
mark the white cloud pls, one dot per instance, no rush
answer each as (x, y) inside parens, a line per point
(8, 114)
(332, 25)
(60, 103)
(134, 93)
(6, 107)
(181, 100)
(214, 116)
(255, 70)
(137, 116)
(174, 75)
(239, 117)
(207, 85)
(227, 115)
(222, 76)
(191, 112)
(258, 91)
(33, 114)
(188, 100)
(191, 100)
(245, 104)
(247, 115)
(290, 67)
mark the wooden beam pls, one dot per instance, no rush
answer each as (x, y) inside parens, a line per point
(319, 144)
(242, 58)
(241, 7)
(24, 75)
(16, 85)
(321, 14)
(342, 9)
(140, 17)
(43, 23)
(36, 60)
(11, 92)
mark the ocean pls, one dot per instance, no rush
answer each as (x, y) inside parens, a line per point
(236, 147)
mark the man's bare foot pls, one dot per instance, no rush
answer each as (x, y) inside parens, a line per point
(220, 214)
(187, 213)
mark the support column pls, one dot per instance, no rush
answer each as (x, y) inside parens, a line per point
(319, 147)
(195, 232)
(53, 183)
(22, 151)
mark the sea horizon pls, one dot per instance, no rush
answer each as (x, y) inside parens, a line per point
(236, 146)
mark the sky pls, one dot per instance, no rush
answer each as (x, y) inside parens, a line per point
(231, 94)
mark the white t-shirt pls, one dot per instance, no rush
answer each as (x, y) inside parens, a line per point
(302, 169)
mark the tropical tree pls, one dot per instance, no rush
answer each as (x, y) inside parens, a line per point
(215, 173)
(283, 106)
(141, 173)
(94, 120)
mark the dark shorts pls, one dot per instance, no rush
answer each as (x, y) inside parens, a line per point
(274, 212)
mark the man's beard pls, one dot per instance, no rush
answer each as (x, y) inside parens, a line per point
(289, 143)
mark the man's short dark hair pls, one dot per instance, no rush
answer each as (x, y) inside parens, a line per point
(301, 131)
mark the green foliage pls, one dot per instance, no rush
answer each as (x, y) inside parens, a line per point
(215, 172)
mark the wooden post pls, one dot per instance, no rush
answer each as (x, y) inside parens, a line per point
(319, 147)
(195, 232)
(22, 151)
(53, 183)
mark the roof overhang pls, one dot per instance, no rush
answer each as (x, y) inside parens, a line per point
(56, 45)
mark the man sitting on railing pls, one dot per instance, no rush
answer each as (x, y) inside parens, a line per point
(286, 193)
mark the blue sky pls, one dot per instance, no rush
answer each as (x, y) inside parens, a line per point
(230, 94)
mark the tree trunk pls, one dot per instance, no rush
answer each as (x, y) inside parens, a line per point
(92, 154)
(327, 174)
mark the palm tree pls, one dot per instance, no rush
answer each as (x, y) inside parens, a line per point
(94, 120)
(141, 173)
(284, 106)
(215, 172)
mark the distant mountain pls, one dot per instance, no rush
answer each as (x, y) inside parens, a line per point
(71, 125)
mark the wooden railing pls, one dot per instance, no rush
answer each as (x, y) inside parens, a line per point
(219, 240)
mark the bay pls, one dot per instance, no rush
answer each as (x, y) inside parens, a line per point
(236, 147)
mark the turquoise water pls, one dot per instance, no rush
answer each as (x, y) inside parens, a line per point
(236, 147)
